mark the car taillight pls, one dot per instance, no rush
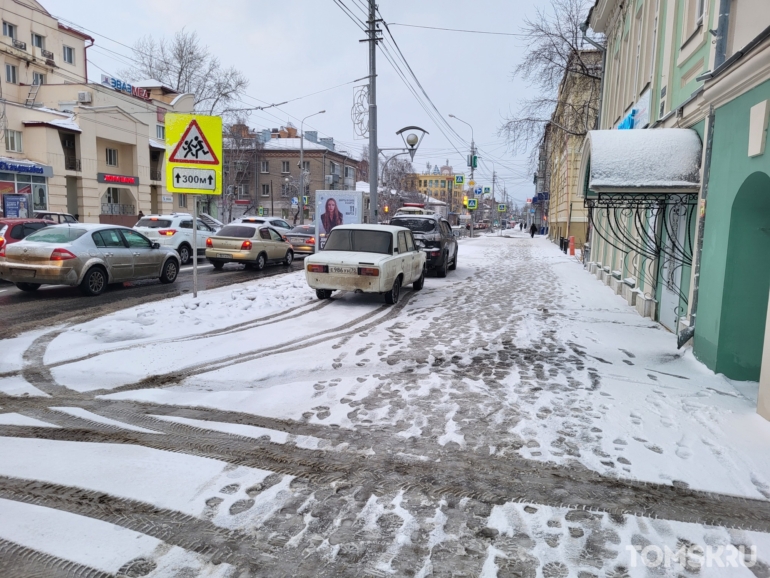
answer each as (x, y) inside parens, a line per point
(2, 251)
(166, 232)
(317, 269)
(61, 255)
(311, 241)
(2, 241)
(246, 246)
(209, 242)
(369, 271)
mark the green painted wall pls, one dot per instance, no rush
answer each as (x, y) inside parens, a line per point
(735, 276)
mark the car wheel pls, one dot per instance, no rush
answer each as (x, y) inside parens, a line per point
(289, 257)
(28, 286)
(323, 293)
(170, 272)
(95, 282)
(420, 283)
(441, 271)
(391, 297)
(185, 254)
(260, 263)
(217, 265)
(453, 266)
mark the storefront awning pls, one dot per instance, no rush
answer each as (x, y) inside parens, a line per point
(665, 160)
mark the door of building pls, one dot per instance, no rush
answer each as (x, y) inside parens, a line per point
(72, 195)
(154, 200)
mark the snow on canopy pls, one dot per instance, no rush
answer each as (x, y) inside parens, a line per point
(664, 158)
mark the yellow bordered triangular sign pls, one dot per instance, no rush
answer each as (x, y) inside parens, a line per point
(194, 154)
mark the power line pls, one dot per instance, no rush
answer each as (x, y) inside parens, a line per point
(459, 30)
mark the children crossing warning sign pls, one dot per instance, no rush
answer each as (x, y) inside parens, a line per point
(193, 154)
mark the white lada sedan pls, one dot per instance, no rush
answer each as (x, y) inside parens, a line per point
(367, 259)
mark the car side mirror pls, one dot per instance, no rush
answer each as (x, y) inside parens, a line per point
(156, 245)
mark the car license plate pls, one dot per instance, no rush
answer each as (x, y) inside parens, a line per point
(223, 255)
(344, 270)
(23, 272)
(296, 240)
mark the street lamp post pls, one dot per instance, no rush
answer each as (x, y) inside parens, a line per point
(473, 154)
(302, 167)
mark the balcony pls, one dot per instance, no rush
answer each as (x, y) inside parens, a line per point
(19, 44)
(115, 209)
(47, 54)
(72, 164)
(156, 175)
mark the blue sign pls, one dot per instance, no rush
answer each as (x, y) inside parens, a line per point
(478, 190)
(305, 200)
(27, 169)
(294, 201)
(532, 211)
(15, 206)
(628, 122)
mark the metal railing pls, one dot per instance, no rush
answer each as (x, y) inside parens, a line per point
(72, 164)
(47, 54)
(19, 44)
(115, 209)
(156, 175)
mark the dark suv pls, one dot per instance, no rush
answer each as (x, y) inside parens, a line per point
(435, 237)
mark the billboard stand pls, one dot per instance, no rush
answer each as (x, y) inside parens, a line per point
(333, 208)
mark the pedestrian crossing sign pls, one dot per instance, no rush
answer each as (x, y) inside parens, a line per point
(501, 208)
(473, 204)
(194, 154)
(459, 179)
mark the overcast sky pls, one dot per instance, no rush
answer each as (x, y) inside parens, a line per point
(290, 48)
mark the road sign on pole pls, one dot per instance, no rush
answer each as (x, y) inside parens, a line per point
(478, 190)
(459, 179)
(473, 204)
(194, 163)
(194, 154)
(501, 208)
(487, 190)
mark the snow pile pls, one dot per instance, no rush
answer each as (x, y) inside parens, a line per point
(662, 158)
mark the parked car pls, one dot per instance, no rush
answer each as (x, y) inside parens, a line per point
(302, 238)
(89, 255)
(434, 236)
(254, 245)
(275, 222)
(55, 217)
(14, 230)
(481, 225)
(367, 259)
(175, 231)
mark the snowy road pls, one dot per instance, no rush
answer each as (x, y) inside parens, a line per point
(513, 419)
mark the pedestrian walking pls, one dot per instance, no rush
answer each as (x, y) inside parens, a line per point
(521, 226)
(533, 230)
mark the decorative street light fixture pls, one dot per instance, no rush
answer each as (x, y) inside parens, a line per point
(412, 142)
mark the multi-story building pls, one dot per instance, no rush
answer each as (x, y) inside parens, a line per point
(560, 200)
(93, 150)
(440, 183)
(680, 210)
(278, 175)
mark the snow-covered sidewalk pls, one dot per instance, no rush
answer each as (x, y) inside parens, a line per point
(516, 416)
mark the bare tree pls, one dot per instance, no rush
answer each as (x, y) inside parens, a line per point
(362, 172)
(241, 151)
(187, 66)
(555, 55)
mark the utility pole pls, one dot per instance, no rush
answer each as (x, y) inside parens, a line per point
(373, 150)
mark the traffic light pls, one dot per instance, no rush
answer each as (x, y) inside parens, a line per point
(465, 200)
(386, 209)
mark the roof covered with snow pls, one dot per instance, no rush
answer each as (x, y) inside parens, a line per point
(293, 144)
(665, 159)
(65, 123)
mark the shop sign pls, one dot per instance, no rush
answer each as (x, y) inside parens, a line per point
(117, 179)
(27, 169)
(122, 86)
(639, 117)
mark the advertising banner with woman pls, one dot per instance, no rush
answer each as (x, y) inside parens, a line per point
(334, 208)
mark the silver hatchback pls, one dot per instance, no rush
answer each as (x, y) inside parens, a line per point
(91, 256)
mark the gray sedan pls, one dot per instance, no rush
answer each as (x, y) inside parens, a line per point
(91, 256)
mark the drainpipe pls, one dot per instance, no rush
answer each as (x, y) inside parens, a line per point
(723, 29)
(584, 29)
(688, 333)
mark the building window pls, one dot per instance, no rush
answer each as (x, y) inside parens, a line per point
(11, 74)
(160, 131)
(243, 191)
(306, 166)
(38, 78)
(700, 6)
(113, 196)
(13, 141)
(69, 55)
(333, 169)
(264, 167)
(349, 172)
(38, 41)
(9, 30)
(112, 157)
(284, 190)
(182, 201)
(284, 166)
(241, 166)
(265, 190)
